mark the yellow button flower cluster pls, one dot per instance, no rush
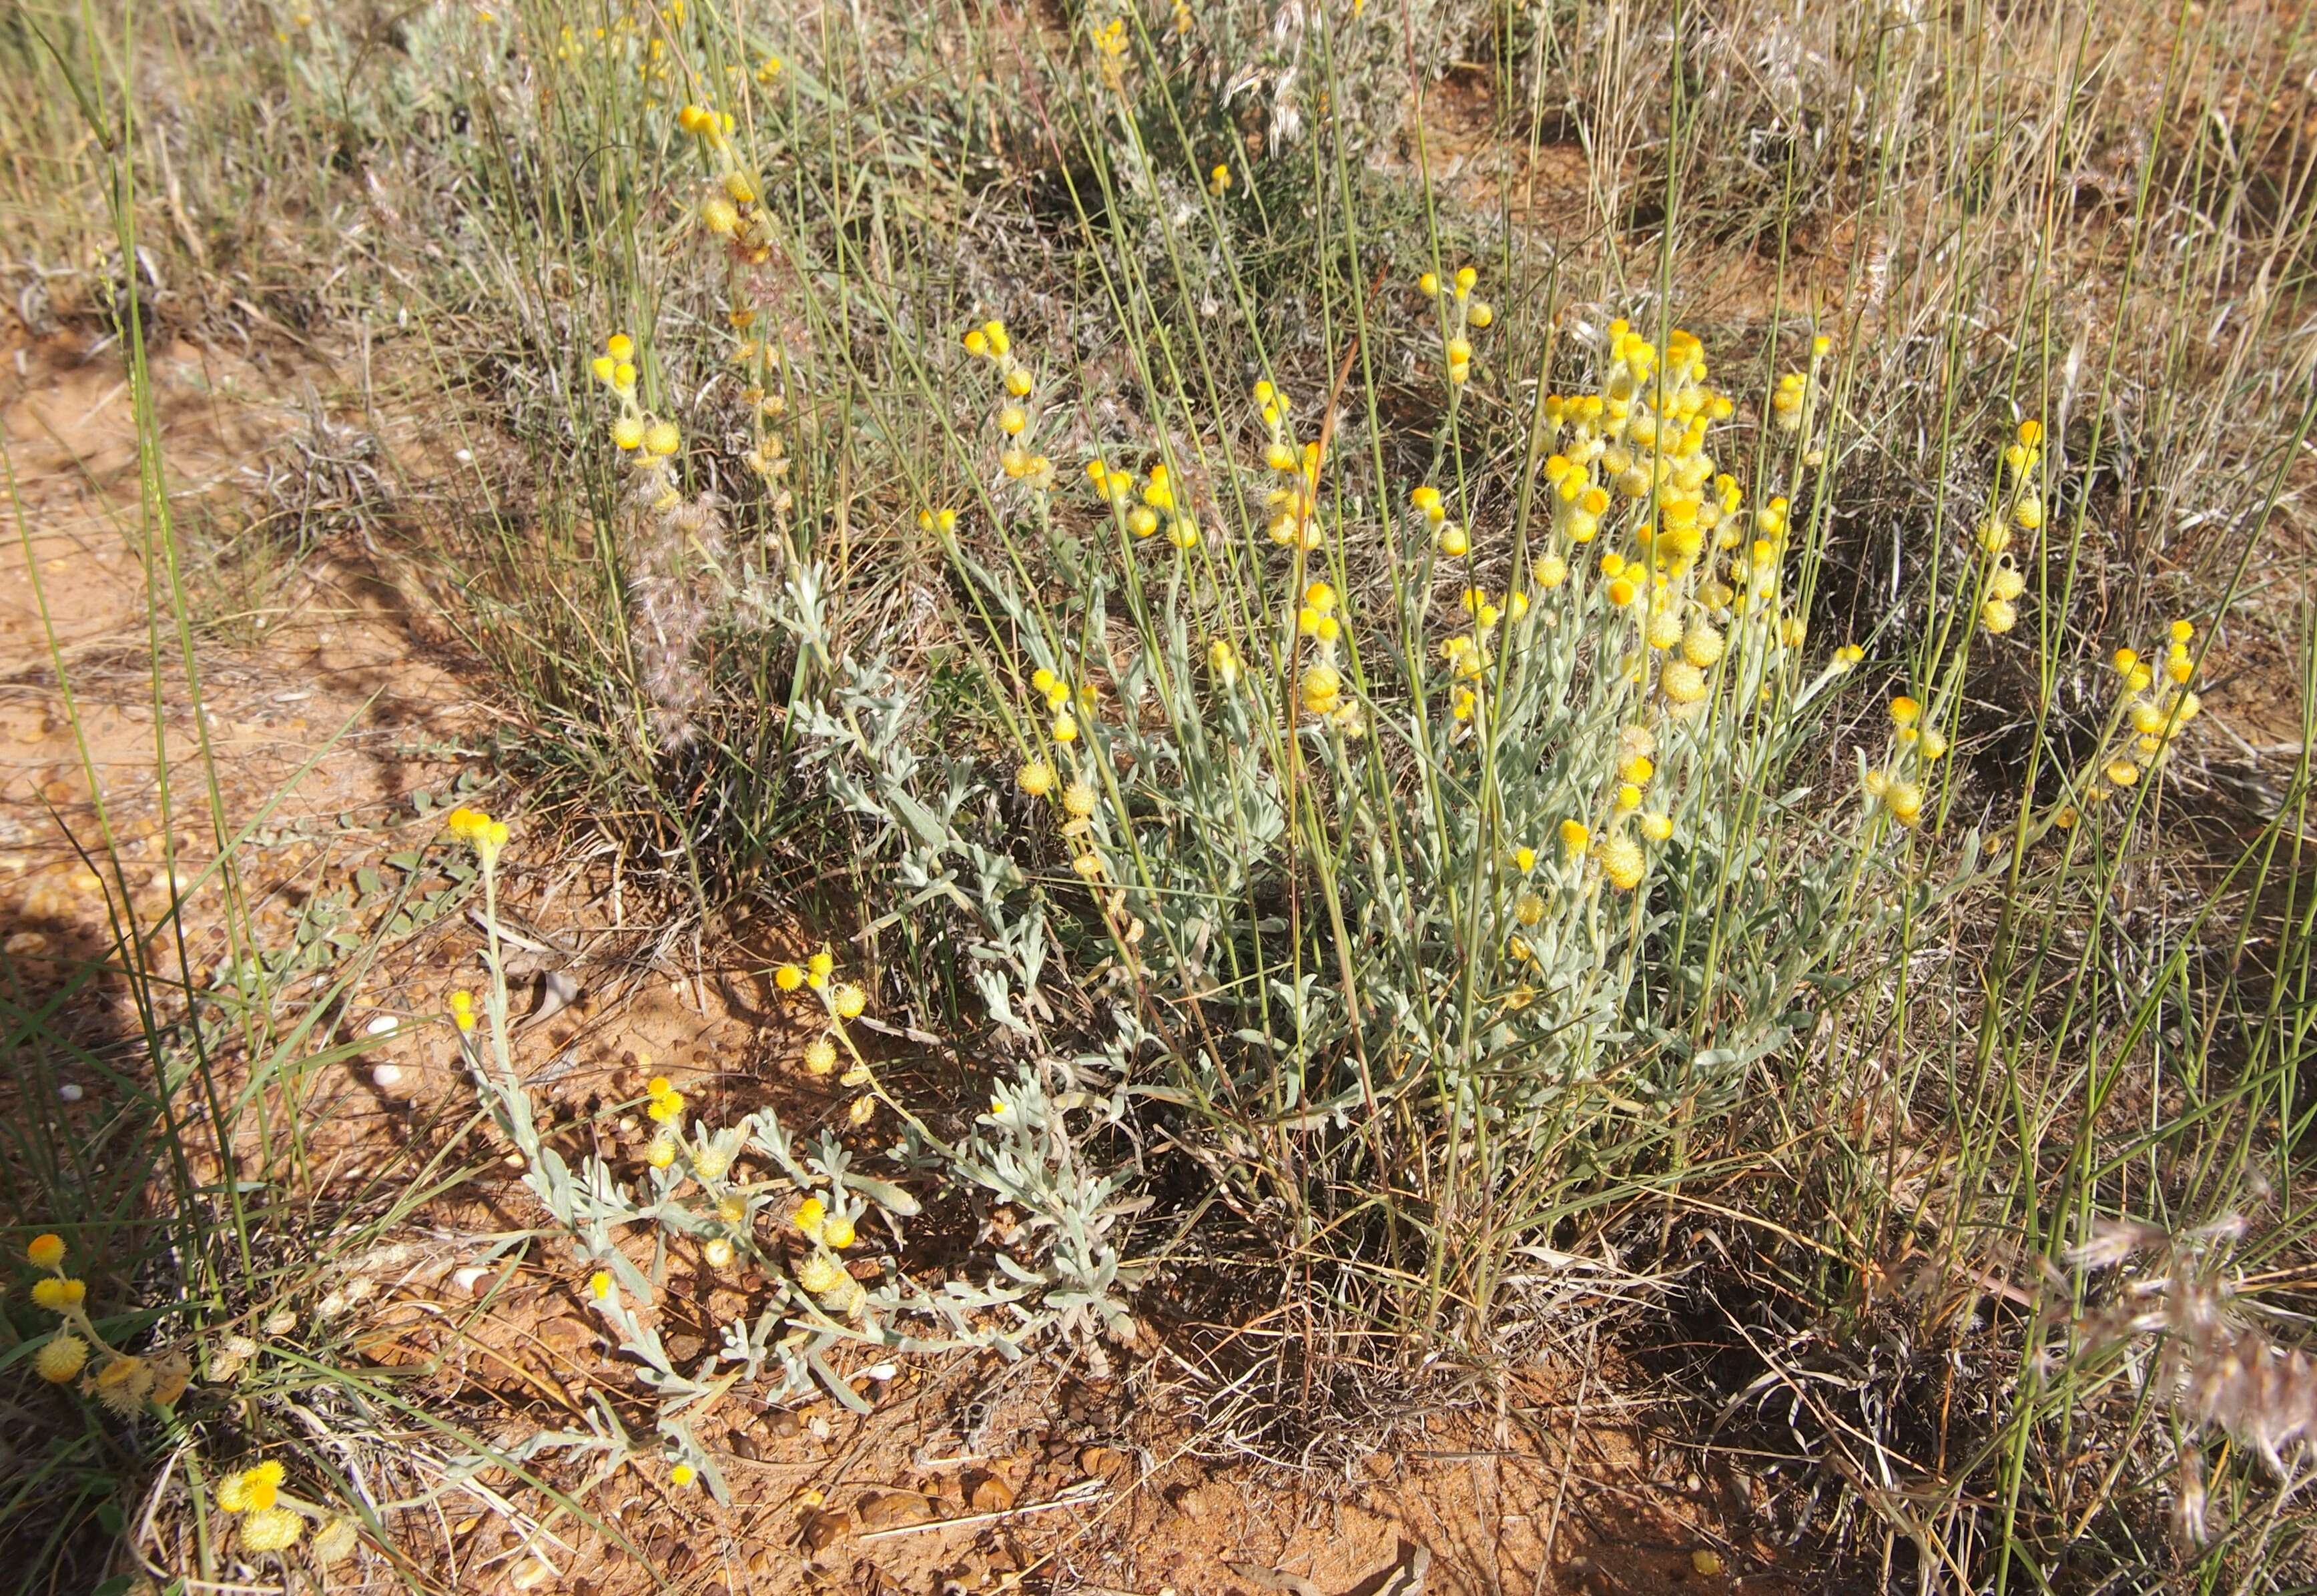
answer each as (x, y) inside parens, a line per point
(1459, 314)
(1630, 460)
(731, 209)
(2157, 707)
(1998, 609)
(1015, 417)
(1110, 46)
(1293, 500)
(649, 441)
(266, 1525)
(478, 831)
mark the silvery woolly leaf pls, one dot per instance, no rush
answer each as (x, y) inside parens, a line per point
(885, 1195)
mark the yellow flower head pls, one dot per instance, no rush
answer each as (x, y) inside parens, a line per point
(1320, 685)
(848, 1001)
(61, 1358)
(46, 1252)
(599, 1285)
(819, 968)
(1574, 838)
(788, 977)
(462, 1010)
(477, 829)
(836, 1231)
(620, 346)
(1682, 682)
(1621, 862)
(683, 1474)
(810, 1215)
(820, 1056)
(251, 1490)
(821, 1273)
(271, 1529)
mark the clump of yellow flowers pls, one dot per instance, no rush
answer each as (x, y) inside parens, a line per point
(649, 442)
(731, 209)
(2018, 504)
(125, 1383)
(1016, 417)
(840, 1001)
(1461, 315)
(2154, 705)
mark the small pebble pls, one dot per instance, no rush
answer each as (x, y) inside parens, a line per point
(467, 1279)
(382, 1025)
(70, 1091)
(386, 1077)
